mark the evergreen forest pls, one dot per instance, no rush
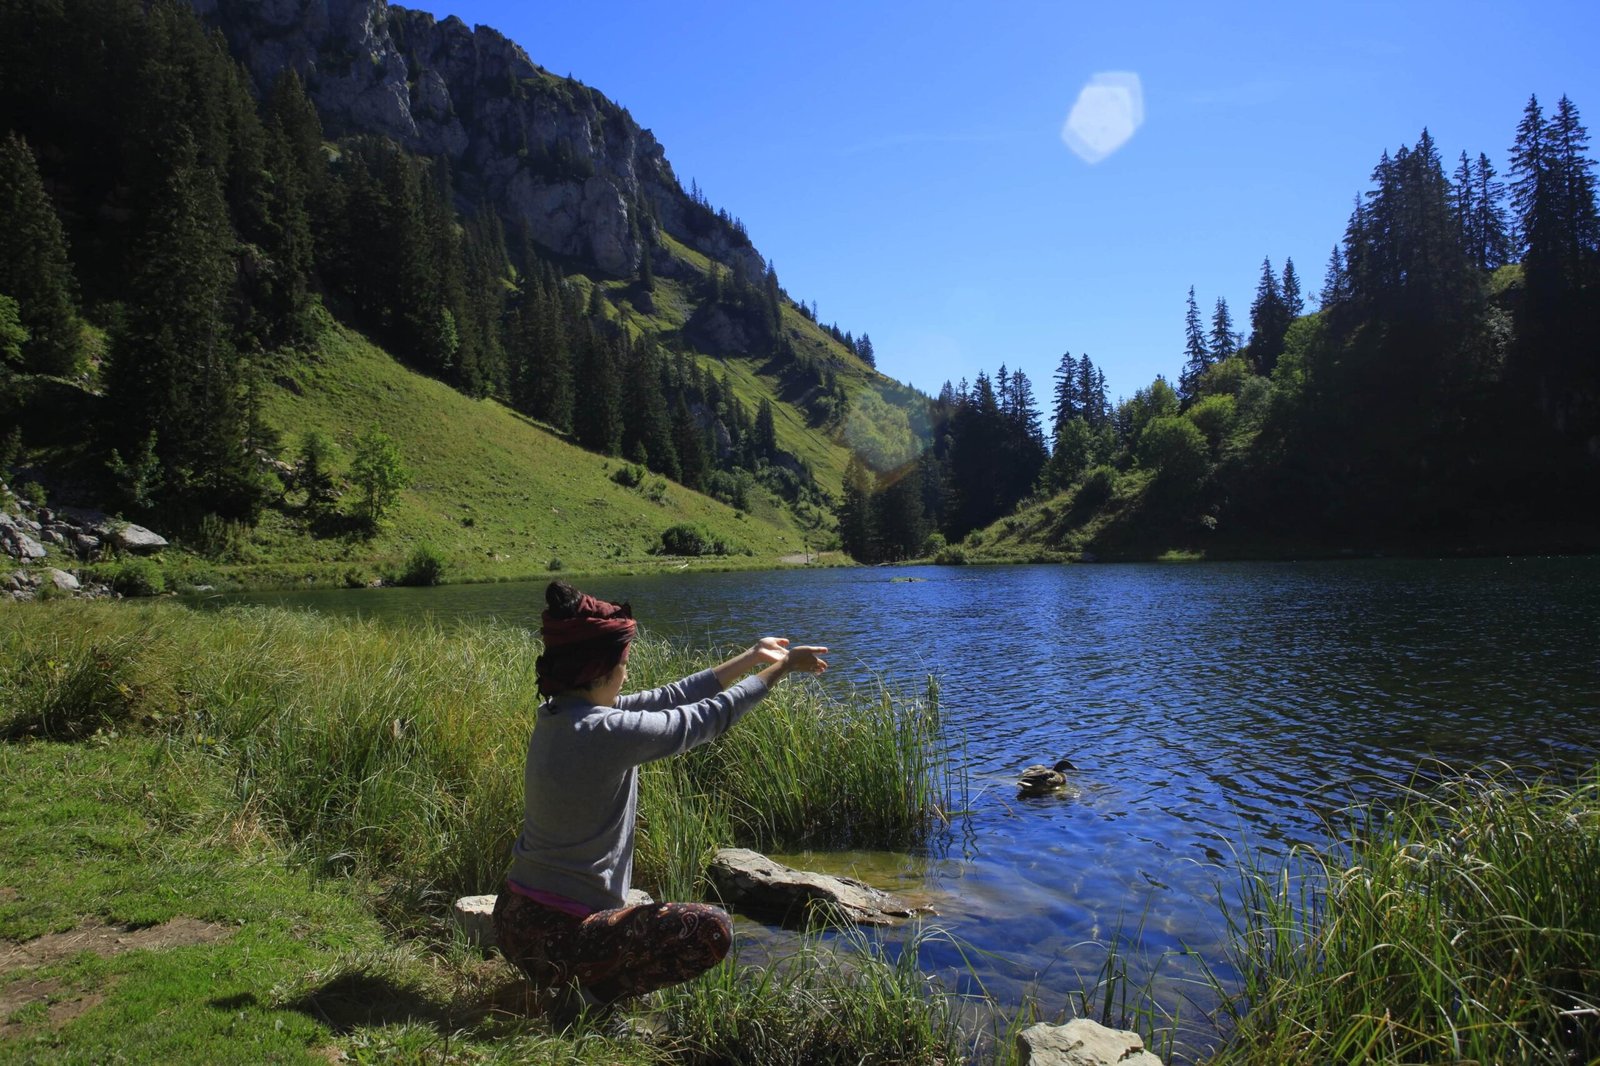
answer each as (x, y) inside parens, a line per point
(1444, 395)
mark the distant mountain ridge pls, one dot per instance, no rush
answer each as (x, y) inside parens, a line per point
(547, 152)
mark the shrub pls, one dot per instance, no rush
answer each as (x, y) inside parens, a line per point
(424, 568)
(33, 492)
(1214, 416)
(629, 475)
(555, 564)
(954, 555)
(691, 540)
(1095, 489)
(137, 577)
(1176, 450)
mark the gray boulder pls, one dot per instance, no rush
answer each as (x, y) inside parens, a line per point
(1081, 1043)
(61, 580)
(18, 544)
(754, 884)
(132, 538)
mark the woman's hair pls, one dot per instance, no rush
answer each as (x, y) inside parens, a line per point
(561, 600)
(584, 639)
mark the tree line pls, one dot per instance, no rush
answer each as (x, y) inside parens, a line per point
(1445, 390)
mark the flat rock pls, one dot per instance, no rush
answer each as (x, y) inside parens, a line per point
(1081, 1043)
(751, 883)
(473, 916)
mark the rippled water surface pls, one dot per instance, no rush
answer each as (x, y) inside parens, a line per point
(1211, 708)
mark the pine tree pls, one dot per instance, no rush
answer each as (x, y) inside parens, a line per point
(1532, 189)
(1197, 356)
(765, 431)
(174, 373)
(864, 350)
(854, 512)
(689, 442)
(597, 419)
(1335, 282)
(1224, 342)
(34, 269)
(1491, 234)
(1067, 405)
(1572, 178)
(1293, 301)
(1269, 321)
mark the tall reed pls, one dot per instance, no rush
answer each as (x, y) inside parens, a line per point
(402, 747)
(1460, 925)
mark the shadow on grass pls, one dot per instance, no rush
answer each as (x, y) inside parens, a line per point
(358, 1000)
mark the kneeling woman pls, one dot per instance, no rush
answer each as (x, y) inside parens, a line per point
(562, 917)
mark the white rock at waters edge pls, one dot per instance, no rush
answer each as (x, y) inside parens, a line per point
(1082, 1043)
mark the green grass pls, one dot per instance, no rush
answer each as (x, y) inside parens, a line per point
(322, 787)
(496, 495)
(1460, 925)
(401, 749)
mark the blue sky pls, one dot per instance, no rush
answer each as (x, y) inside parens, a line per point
(903, 164)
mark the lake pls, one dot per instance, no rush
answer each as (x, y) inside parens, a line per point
(1212, 709)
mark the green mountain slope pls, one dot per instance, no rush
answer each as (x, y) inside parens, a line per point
(492, 493)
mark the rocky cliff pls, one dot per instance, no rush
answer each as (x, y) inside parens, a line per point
(547, 152)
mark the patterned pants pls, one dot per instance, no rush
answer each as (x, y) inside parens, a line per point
(611, 954)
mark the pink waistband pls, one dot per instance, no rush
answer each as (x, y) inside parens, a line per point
(551, 900)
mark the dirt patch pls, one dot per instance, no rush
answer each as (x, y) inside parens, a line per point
(9, 894)
(107, 940)
(57, 1012)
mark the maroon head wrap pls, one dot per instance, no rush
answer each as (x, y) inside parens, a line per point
(583, 643)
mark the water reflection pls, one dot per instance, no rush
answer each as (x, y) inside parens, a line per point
(1213, 710)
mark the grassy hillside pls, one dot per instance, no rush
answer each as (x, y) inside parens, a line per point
(492, 493)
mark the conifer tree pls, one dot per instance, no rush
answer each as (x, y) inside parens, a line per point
(1197, 356)
(865, 350)
(1269, 321)
(34, 269)
(693, 462)
(1293, 301)
(766, 431)
(1067, 405)
(174, 373)
(1335, 285)
(647, 435)
(1491, 233)
(1224, 342)
(597, 419)
(855, 510)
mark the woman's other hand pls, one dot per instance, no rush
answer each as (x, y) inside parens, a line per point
(806, 658)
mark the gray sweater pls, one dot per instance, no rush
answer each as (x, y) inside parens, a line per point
(582, 780)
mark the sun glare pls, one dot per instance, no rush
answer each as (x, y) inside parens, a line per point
(1109, 109)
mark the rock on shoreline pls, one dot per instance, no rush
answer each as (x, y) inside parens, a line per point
(754, 884)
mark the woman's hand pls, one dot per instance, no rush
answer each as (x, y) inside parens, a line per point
(768, 650)
(806, 658)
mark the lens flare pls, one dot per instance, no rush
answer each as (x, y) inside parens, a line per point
(1109, 109)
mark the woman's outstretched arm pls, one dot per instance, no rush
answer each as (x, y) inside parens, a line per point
(762, 653)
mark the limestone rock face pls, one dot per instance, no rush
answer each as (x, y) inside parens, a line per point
(547, 152)
(1082, 1042)
(752, 883)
